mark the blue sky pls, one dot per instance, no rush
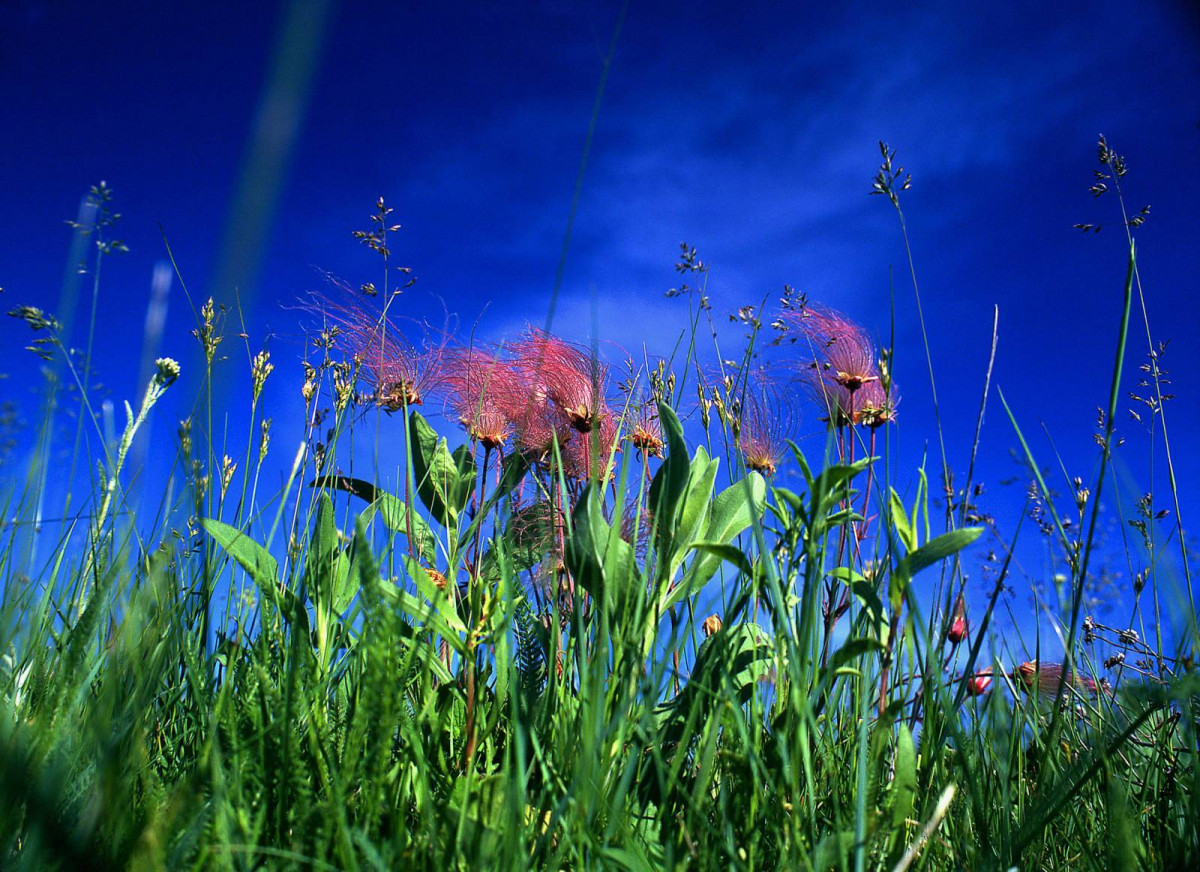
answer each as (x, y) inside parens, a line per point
(749, 131)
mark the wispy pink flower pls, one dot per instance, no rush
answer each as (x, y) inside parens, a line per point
(842, 351)
(481, 389)
(643, 430)
(841, 368)
(587, 455)
(567, 374)
(538, 424)
(766, 419)
(399, 374)
(875, 404)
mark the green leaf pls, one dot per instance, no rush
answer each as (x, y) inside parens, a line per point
(933, 551)
(901, 522)
(599, 559)
(442, 600)
(670, 480)
(320, 563)
(444, 481)
(721, 551)
(392, 509)
(851, 650)
(259, 565)
(937, 550)
(904, 784)
(728, 665)
(695, 507)
(735, 508)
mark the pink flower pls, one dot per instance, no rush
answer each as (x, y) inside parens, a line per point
(875, 404)
(764, 425)
(587, 455)
(538, 425)
(481, 388)
(399, 374)
(643, 431)
(567, 375)
(842, 368)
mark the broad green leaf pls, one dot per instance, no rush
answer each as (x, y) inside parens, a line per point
(938, 549)
(730, 663)
(695, 506)
(320, 563)
(735, 508)
(390, 508)
(442, 599)
(444, 481)
(670, 480)
(933, 551)
(259, 565)
(599, 559)
(904, 784)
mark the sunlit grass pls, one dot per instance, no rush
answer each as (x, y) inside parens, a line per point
(581, 624)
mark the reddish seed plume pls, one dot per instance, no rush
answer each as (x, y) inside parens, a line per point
(587, 455)
(398, 373)
(538, 424)
(481, 390)
(840, 368)
(875, 404)
(765, 422)
(643, 430)
(842, 349)
(1048, 677)
(567, 374)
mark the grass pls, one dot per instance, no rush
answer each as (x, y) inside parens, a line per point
(539, 652)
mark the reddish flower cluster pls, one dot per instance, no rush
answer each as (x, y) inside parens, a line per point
(566, 375)
(549, 396)
(842, 372)
(482, 390)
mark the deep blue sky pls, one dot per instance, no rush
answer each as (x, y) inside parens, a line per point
(748, 130)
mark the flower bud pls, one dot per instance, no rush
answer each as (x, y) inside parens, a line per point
(979, 683)
(958, 622)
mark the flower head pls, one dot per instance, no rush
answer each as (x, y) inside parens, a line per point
(587, 455)
(398, 373)
(764, 424)
(568, 376)
(841, 369)
(643, 430)
(875, 403)
(481, 389)
(537, 424)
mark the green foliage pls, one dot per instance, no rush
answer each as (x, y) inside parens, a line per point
(528, 666)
